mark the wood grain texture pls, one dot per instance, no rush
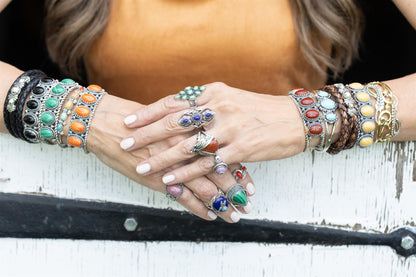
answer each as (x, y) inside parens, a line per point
(370, 190)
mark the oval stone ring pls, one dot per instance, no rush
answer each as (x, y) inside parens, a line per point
(205, 144)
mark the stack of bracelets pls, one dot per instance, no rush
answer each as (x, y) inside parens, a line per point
(361, 123)
(37, 108)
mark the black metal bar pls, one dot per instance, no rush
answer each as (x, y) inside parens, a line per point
(34, 216)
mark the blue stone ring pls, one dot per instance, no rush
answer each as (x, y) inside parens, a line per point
(218, 203)
(196, 118)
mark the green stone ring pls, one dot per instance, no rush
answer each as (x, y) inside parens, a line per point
(237, 195)
(190, 94)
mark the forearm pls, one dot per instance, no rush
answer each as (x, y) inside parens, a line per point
(8, 75)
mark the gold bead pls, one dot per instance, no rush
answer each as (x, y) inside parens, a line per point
(356, 86)
(368, 126)
(363, 96)
(367, 110)
(366, 141)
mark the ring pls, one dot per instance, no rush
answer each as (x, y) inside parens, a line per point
(237, 195)
(240, 174)
(218, 203)
(173, 192)
(220, 167)
(205, 144)
(196, 118)
(190, 94)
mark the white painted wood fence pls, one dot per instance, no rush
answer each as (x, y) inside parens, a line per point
(316, 189)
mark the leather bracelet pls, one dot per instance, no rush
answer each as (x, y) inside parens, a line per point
(346, 122)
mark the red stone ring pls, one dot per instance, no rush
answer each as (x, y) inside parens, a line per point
(205, 144)
(173, 192)
(240, 174)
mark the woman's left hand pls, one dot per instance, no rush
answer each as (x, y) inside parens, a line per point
(249, 127)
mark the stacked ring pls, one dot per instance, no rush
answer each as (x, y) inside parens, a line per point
(218, 203)
(237, 195)
(173, 192)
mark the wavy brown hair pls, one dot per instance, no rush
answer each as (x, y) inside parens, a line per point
(71, 27)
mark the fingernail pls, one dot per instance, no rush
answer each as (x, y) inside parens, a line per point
(143, 168)
(130, 119)
(235, 217)
(248, 208)
(250, 189)
(168, 179)
(212, 215)
(127, 143)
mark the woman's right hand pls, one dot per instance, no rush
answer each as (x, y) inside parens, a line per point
(104, 136)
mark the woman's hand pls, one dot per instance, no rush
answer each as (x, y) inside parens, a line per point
(250, 127)
(107, 130)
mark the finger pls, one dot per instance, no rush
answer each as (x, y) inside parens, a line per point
(168, 126)
(167, 158)
(159, 109)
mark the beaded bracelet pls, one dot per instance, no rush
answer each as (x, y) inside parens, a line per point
(309, 113)
(81, 118)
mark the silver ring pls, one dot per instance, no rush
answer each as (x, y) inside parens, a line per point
(220, 167)
(218, 203)
(237, 195)
(240, 174)
(205, 144)
(196, 118)
(173, 192)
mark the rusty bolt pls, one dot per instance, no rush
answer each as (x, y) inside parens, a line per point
(130, 224)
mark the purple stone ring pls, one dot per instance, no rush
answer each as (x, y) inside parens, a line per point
(220, 167)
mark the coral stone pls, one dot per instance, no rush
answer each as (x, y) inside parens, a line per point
(312, 113)
(307, 101)
(315, 129)
(88, 98)
(82, 111)
(239, 175)
(75, 141)
(77, 126)
(301, 92)
(212, 147)
(96, 88)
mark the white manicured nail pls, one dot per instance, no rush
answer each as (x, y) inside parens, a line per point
(212, 215)
(168, 179)
(130, 119)
(235, 217)
(248, 208)
(250, 189)
(141, 169)
(127, 143)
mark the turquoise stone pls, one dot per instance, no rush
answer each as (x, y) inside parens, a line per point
(63, 116)
(51, 103)
(182, 92)
(184, 97)
(192, 97)
(331, 117)
(328, 104)
(197, 92)
(58, 89)
(188, 88)
(322, 93)
(189, 92)
(196, 87)
(46, 133)
(47, 118)
(59, 127)
(67, 81)
(240, 198)
(177, 96)
(202, 88)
